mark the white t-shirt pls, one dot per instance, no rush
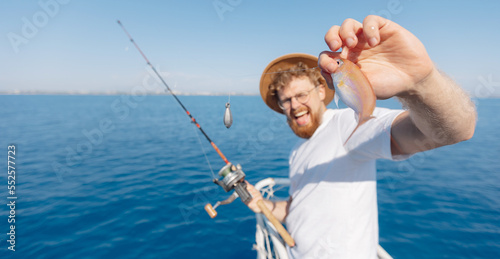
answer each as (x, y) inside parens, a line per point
(334, 213)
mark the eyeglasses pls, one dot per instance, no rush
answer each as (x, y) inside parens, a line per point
(301, 97)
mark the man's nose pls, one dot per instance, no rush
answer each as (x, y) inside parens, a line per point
(294, 104)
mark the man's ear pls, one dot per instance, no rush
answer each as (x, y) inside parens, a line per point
(322, 92)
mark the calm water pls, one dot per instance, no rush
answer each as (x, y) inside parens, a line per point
(126, 177)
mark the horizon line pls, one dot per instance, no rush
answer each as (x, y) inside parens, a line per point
(45, 92)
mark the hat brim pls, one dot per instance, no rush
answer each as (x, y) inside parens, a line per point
(284, 63)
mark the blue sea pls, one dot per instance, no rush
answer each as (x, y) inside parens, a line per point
(127, 177)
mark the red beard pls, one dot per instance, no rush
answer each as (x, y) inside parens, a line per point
(307, 130)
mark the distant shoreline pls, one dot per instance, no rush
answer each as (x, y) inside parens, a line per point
(122, 93)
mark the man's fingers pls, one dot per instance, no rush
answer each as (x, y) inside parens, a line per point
(348, 31)
(371, 29)
(251, 189)
(327, 62)
(332, 38)
(328, 65)
(347, 34)
(256, 196)
(328, 79)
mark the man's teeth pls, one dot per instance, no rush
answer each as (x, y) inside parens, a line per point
(300, 113)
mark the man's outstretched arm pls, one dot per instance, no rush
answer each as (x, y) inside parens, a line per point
(397, 65)
(439, 113)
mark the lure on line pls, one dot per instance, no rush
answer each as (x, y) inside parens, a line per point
(228, 117)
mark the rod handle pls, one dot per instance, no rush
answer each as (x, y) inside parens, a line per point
(281, 230)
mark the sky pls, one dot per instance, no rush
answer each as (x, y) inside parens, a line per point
(220, 46)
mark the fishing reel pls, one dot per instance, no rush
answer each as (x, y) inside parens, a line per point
(232, 177)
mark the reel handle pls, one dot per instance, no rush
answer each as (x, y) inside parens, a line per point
(210, 210)
(281, 230)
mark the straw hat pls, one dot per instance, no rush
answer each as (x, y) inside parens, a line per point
(284, 63)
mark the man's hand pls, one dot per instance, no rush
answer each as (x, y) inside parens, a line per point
(256, 197)
(392, 58)
(396, 64)
(278, 208)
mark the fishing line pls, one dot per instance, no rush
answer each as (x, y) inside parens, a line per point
(182, 105)
(175, 96)
(232, 176)
(204, 153)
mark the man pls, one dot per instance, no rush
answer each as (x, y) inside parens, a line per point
(332, 210)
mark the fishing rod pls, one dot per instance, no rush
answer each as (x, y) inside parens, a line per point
(175, 96)
(232, 177)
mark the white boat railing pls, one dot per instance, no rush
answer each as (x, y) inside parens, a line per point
(268, 242)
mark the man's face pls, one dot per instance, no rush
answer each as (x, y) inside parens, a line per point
(303, 118)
